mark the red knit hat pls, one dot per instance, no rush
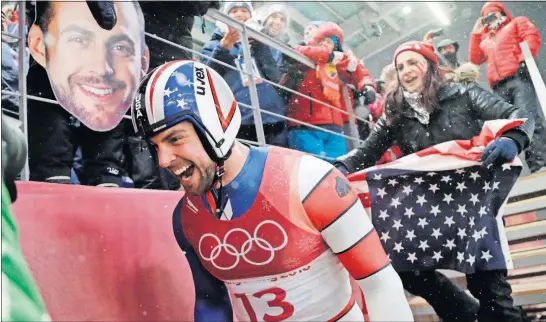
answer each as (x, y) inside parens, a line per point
(419, 47)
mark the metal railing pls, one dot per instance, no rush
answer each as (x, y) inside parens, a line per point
(246, 34)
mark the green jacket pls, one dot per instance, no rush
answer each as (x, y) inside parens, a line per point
(21, 300)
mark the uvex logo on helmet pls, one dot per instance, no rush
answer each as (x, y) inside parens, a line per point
(200, 77)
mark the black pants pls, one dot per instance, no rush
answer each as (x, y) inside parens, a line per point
(451, 303)
(53, 140)
(275, 133)
(520, 92)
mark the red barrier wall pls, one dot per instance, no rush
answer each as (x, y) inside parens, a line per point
(104, 253)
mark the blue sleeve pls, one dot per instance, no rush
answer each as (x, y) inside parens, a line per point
(211, 297)
(215, 51)
(269, 67)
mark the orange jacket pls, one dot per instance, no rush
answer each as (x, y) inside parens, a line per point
(500, 48)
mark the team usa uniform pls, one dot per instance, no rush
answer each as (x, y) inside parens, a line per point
(292, 234)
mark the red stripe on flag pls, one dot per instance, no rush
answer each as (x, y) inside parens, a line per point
(428, 151)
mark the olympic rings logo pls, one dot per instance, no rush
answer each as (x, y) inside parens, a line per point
(245, 248)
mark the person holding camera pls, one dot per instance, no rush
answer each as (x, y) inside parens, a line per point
(495, 40)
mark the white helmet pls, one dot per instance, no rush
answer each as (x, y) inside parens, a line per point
(185, 90)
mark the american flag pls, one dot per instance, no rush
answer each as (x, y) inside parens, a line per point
(439, 208)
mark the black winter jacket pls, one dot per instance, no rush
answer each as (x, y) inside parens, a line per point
(460, 116)
(173, 21)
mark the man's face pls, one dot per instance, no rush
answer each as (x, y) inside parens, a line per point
(276, 24)
(448, 49)
(412, 68)
(240, 14)
(180, 151)
(93, 72)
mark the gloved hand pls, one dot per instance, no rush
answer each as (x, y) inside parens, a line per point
(104, 13)
(522, 71)
(499, 151)
(368, 93)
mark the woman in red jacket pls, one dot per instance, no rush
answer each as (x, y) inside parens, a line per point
(324, 84)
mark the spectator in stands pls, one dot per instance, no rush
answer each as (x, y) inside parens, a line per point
(497, 43)
(310, 30)
(324, 84)
(225, 46)
(52, 140)
(425, 110)
(10, 60)
(274, 24)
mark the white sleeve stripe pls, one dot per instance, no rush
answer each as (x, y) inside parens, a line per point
(348, 229)
(310, 170)
(353, 245)
(372, 274)
(316, 186)
(382, 292)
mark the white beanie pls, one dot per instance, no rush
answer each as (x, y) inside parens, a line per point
(237, 4)
(276, 8)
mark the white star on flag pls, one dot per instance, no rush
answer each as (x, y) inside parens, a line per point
(422, 222)
(462, 209)
(423, 244)
(419, 180)
(496, 185)
(395, 202)
(482, 211)
(446, 179)
(393, 182)
(407, 190)
(486, 187)
(435, 210)
(474, 199)
(471, 259)
(433, 188)
(397, 224)
(462, 232)
(409, 212)
(471, 222)
(398, 247)
(385, 237)
(506, 167)
(459, 171)
(381, 192)
(486, 255)
(475, 175)
(410, 235)
(461, 186)
(450, 244)
(437, 256)
(448, 198)
(460, 257)
(421, 200)
(377, 177)
(476, 235)
(436, 233)
(383, 214)
(449, 221)
(412, 257)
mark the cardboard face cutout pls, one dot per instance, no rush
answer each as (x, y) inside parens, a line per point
(93, 72)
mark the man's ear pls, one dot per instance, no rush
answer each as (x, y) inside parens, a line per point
(36, 45)
(145, 62)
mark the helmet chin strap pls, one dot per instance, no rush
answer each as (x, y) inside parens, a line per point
(218, 174)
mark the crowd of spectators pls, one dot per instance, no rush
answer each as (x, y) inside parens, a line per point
(63, 150)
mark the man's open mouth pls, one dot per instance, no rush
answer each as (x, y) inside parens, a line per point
(184, 173)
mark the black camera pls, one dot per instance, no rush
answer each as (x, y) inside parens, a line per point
(436, 32)
(489, 18)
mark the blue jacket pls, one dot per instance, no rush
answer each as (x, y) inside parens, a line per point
(268, 97)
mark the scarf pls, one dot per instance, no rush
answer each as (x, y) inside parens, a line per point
(497, 23)
(331, 85)
(415, 101)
